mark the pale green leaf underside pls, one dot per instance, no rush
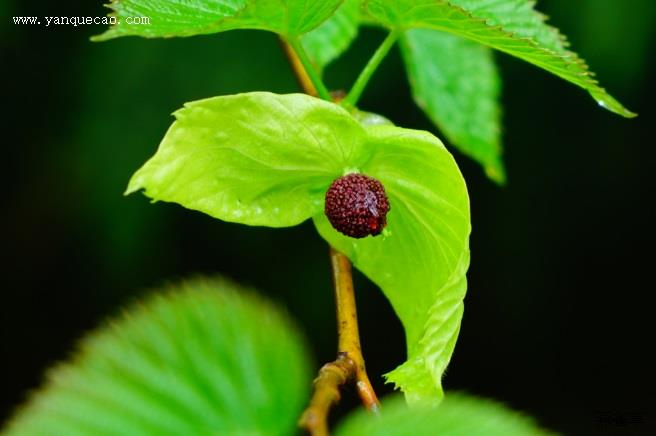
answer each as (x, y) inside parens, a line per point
(421, 263)
(457, 415)
(510, 26)
(200, 359)
(266, 159)
(169, 18)
(455, 81)
(328, 41)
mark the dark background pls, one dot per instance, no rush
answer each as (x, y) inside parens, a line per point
(558, 321)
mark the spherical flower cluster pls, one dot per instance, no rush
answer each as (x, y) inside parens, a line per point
(356, 205)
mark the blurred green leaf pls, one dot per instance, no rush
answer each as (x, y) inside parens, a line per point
(421, 261)
(266, 159)
(455, 81)
(255, 158)
(199, 359)
(168, 18)
(328, 41)
(457, 415)
(511, 26)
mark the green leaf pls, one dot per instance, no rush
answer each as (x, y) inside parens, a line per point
(455, 81)
(511, 26)
(421, 263)
(199, 359)
(328, 41)
(266, 159)
(168, 18)
(256, 158)
(458, 415)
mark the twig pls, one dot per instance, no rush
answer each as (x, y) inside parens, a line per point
(347, 327)
(299, 72)
(349, 365)
(326, 393)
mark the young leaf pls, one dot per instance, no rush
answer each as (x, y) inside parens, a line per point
(458, 415)
(167, 18)
(328, 41)
(197, 360)
(266, 159)
(511, 26)
(455, 81)
(421, 263)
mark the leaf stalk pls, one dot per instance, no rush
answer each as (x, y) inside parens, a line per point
(361, 82)
(298, 57)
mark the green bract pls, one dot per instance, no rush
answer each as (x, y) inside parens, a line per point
(257, 158)
(266, 159)
(167, 18)
(421, 263)
(201, 359)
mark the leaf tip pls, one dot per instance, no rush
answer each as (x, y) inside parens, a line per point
(607, 102)
(106, 35)
(617, 108)
(134, 185)
(411, 379)
(496, 172)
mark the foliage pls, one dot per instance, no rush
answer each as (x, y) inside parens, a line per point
(199, 358)
(325, 43)
(451, 72)
(455, 81)
(458, 415)
(290, 18)
(206, 358)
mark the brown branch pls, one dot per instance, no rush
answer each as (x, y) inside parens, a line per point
(347, 327)
(349, 365)
(297, 67)
(326, 393)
